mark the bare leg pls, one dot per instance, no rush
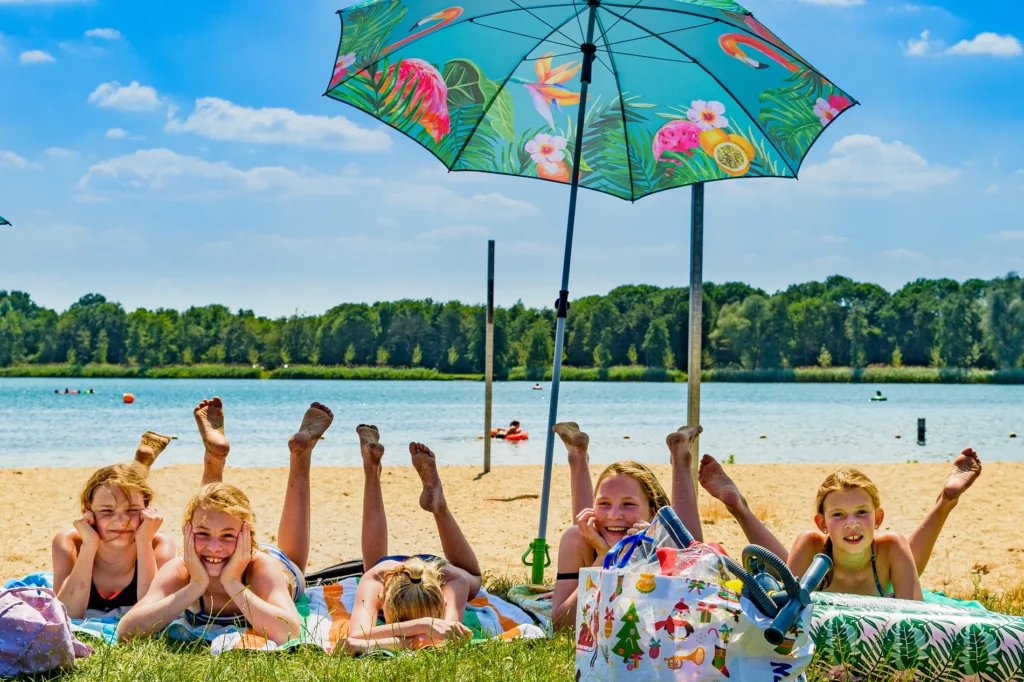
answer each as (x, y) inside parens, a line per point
(210, 420)
(293, 530)
(576, 443)
(684, 492)
(374, 538)
(713, 478)
(456, 548)
(966, 469)
(150, 447)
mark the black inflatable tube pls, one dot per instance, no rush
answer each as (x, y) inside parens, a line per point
(789, 581)
(753, 589)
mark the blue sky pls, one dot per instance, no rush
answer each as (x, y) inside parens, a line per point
(170, 154)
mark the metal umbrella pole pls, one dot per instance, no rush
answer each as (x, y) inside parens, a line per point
(539, 547)
(696, 316)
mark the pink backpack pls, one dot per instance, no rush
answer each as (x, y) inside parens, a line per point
(35, 633)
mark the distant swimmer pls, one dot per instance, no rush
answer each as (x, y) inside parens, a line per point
(538, 387)
(513, 432)
(878, 397)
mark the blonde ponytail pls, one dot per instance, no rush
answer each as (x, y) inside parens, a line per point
(413, 590)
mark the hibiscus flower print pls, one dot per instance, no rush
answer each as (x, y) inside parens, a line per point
(707, 115)
(828, 109)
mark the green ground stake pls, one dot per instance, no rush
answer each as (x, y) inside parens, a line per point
(541, 560)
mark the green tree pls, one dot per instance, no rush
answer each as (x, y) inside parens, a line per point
(824, 358)
(959, 332)
(539, 351)
(656, 344)
(857, 333)
(632, 355)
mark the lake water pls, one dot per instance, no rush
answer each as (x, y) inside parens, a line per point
(801, 422)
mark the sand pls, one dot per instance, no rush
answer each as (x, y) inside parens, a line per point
(498, 512)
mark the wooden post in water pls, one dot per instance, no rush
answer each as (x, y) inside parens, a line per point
(920, 431)
(489, 355)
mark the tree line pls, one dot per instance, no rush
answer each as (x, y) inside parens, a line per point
(838, 322)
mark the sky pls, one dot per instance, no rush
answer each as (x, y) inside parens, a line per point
(169, 154)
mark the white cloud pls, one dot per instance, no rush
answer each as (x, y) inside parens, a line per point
(103, 33)
(454, 232)
(1009, 235)
(491, 206)
(918, 47)
(162, 172)
(131, 97)
(991, 44)
(992, 190)
(60, 153)
(866, 165)
(12, 160)
(117, 134)
(220, 119)
(905, 255)
(36, 57)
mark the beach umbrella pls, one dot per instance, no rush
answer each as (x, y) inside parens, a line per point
(625, 97)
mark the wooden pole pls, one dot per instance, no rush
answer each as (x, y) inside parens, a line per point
(489, 353)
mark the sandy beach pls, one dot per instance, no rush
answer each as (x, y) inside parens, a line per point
(499, 511)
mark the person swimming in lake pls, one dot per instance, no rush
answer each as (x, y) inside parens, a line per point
(111, 556)
(624, 501)
(226, 578)
(848, 514)
(513, 429)
(422, 598)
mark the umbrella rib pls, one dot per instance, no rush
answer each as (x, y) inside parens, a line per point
(647, 56)
(622, 103)
(604, 33)
(553, 28)
(675, 30)
(501, 87)
(716, 79)
(523, 35)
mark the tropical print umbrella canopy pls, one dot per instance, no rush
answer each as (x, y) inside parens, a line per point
(3, 222)
(681, 91)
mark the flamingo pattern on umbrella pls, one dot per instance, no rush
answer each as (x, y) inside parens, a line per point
(513, 110)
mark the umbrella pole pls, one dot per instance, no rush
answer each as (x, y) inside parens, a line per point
(696, 315)
(539, 547)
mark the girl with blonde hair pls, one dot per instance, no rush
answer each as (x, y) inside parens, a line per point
(110, 557)
(624, 501)
(848, 516)
(421, 599)
(225, 577)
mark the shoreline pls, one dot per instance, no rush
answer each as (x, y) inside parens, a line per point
(846, 375)
(499, 511)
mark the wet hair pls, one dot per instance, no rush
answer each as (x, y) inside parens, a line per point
(653, 491)
(841, 480)
(221, 497)
(127, 478)
(515, 422)
(413, 590)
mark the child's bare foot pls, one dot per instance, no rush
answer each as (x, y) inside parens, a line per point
(423, 460)
(314, 423)
(713, 478)
(966, 469)
(150, 447)
(369, 444)
(210, 419)
(680, 443)
(576, 442)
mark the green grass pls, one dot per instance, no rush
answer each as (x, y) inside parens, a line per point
(868, 375)
(634, 373)
(368, 373)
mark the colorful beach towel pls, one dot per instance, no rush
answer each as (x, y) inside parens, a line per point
(325, 610)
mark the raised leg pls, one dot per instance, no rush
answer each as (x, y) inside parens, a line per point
(293, 530)
(374, 538)
(456, 548)
(684, 492)
(713, 479)
(209, 416)
(582, 486)
(966, 469)
(150, 447)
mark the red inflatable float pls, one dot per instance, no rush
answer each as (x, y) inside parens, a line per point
(522, 435)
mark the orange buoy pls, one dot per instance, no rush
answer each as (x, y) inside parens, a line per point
(128, 398)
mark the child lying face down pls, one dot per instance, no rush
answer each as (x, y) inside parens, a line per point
(110, 557)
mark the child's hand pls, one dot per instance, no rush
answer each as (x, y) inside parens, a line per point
(196, 570)
(240, 558)
(151, 521)
(587, 523)
(86, 527)
(638, 527)
(440, 632)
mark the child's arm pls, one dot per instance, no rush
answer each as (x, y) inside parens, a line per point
(153, 550)
(176, 587)
(902, 570)
(268, 605)
(72, 568)
(807, 545)
(574, 553)
(363, 628)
